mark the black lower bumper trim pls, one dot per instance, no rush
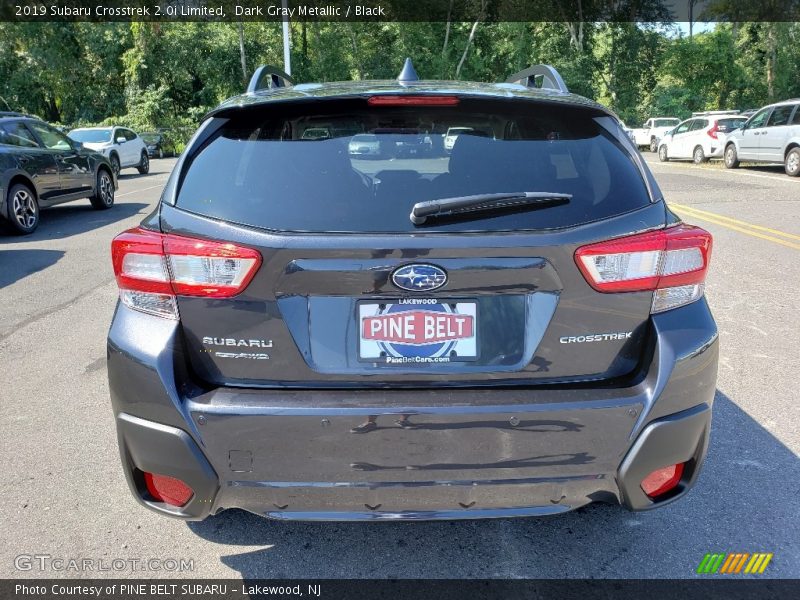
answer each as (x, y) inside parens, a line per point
(156, 448)
(678, 438)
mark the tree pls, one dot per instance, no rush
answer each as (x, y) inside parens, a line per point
(169, 74)
(481, 17)
(242, 53)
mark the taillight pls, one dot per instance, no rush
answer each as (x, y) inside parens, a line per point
(404, 100)
(671, 262)
(167, 489)
(713, 131)
(210, 269)
(152, 268)
(661, 481)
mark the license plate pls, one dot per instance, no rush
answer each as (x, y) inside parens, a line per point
(417, 331)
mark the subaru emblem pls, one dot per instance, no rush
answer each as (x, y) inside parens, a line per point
(419, 278)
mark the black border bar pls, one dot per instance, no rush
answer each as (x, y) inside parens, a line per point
(643, 11)
(706, 588)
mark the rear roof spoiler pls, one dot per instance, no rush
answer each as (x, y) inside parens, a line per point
(540, 76)
(268, 77)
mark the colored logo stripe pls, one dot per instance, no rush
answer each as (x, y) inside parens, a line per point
(710, 563)
(758, 563)
(733, 562)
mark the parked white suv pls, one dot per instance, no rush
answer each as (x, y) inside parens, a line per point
(772, 135)
(452, 135)
(699, 138)
(120, 145)
(653, 129)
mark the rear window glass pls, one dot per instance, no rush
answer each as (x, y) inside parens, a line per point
(91, 136)
(273, 169)
(726, 125)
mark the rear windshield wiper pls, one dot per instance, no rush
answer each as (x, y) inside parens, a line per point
(448, 207)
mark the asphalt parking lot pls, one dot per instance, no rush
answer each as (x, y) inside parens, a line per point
(65, 495)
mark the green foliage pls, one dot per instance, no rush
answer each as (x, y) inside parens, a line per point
(150, 75)
(627, 58)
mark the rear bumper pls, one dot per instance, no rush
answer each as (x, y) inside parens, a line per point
(459, 454)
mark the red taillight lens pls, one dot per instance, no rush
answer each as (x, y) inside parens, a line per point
(713, 131)
(670, 262)
(152, 268)
(139, 262)
(168, 489)
(661, 481)
(412, 100)
(210, 269)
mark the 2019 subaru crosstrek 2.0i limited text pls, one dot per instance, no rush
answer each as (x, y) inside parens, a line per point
(514, 327)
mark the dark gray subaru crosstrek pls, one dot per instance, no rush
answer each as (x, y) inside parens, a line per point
(509, 324)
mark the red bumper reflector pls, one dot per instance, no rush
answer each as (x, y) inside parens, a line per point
(397, 100)
(662, 480)
(168, 489)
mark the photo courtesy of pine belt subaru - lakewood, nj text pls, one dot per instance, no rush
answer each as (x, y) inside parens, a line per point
(512, 326)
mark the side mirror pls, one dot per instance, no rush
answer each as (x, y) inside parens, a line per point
(77, 145)
(120, 139)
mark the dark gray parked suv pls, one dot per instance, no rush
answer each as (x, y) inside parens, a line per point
(513, 328)
(41, 167)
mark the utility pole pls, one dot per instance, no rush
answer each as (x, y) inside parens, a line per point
(287, 57)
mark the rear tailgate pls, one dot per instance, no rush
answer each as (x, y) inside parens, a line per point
(503, 300)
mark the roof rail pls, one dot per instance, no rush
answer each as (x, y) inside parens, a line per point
(268, 77)
(711, 113)
(540, 76)
(12, 113)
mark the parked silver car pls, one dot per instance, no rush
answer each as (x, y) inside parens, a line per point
(772, 135)
(366, 144)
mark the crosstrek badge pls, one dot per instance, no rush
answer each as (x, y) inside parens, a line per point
(418, 327)
(418, 330)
